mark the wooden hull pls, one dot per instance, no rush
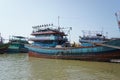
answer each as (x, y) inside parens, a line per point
(96, 53)
(89, 57)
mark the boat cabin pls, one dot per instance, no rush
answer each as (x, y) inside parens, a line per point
(48, 36)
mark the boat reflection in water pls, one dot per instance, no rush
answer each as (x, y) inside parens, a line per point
(51, 42)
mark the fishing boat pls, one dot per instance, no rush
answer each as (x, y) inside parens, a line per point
(17, 44)
(90, 37)
(51, 42)
(3, 46)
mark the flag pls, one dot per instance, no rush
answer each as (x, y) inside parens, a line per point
(115, 14)
(118, 19)
(119, 24)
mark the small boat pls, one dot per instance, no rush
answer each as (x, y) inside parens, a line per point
(50, 42)
(17, 45)
(3, 46)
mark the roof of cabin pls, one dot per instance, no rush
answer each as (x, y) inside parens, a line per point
(18, 36)
(48, 32)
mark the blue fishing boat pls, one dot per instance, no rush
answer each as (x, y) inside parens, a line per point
(17, 44)
(90, 37)
(51, 42)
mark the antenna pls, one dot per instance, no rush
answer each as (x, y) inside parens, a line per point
(102, 31)
(58, 23)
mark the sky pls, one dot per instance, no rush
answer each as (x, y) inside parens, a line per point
(18, 16)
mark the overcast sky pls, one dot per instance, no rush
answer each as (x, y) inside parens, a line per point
(18, 16)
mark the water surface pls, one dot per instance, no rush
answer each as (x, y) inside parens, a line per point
(21, 67)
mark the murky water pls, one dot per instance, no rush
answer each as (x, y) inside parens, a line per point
(21, 67)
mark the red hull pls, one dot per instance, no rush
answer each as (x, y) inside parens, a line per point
(92, 57)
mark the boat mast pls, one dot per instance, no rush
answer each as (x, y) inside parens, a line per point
(69, 28)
